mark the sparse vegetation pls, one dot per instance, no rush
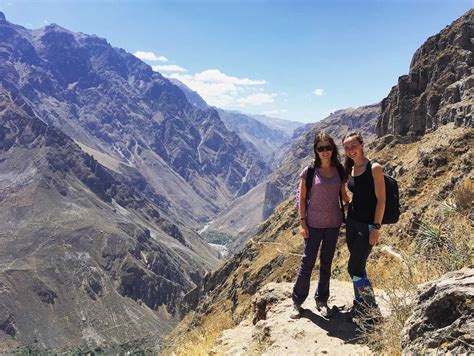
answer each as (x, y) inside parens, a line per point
(442, 244)
(217, 237)
(200, 340)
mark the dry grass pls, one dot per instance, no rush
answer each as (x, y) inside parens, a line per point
(442, 244)
(201, 339)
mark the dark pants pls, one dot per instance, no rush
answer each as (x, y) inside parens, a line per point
(357, 237)
(328, 237)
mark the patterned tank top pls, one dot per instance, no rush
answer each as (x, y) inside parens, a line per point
(323, 210)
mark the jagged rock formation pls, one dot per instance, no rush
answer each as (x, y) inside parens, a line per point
(133, 120)
(439, 87)
(443, 318)
(86, 260)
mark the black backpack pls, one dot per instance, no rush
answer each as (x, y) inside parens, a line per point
(309, 183)
(392, 200)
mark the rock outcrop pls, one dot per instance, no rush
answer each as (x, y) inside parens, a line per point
(272, 332)
(439, 87)
(443, 318)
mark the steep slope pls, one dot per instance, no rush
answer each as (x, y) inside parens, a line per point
(192, 96)
(86, 260)
(439, 87)
(286, 126)
(115, 105)
(267, 140)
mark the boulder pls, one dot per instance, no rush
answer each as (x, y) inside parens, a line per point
(443, 317)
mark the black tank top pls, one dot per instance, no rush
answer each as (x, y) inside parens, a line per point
(364, 201)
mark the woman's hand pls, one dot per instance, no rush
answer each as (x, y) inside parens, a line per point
(374, 237)
(304, 231)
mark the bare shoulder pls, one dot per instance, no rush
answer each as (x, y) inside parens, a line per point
(377, 168)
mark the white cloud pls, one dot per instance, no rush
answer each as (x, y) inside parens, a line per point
(168, 68)
(225, 91)
(150, 56)
(319, 92)
(256, 99)
(274, 112)
(216, 76)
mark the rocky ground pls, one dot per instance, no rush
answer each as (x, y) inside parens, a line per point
(312, 334)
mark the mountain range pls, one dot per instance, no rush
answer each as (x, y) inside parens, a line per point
(107, 169)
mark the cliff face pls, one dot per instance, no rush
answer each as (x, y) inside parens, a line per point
(439, 87)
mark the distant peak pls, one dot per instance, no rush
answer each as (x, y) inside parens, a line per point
(55, 27)
(2, 16)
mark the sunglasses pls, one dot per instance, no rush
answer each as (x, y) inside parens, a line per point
(324, 148)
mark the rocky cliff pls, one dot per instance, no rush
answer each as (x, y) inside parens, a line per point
(439, 87)
(443, 317)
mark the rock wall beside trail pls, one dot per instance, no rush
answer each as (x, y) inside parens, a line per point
(443, 319)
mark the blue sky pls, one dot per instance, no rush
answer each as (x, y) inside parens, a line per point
(297, 60)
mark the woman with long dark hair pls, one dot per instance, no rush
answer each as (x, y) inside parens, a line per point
(365, 180)
(321, 218)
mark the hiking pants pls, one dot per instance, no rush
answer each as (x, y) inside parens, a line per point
(327, 239)
(357, 238)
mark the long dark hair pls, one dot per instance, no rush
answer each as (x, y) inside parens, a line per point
(349, 162)
(322, 136)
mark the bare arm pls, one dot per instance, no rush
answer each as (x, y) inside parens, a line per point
(379, 185)
(302, 205)
(302, 202)
(345, 197)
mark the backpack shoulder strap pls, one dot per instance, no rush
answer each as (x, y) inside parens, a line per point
(309, 177)
(340, 171)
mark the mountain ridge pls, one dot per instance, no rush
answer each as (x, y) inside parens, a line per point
(109, 100)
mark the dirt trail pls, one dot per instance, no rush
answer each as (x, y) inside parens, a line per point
(310, 335)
